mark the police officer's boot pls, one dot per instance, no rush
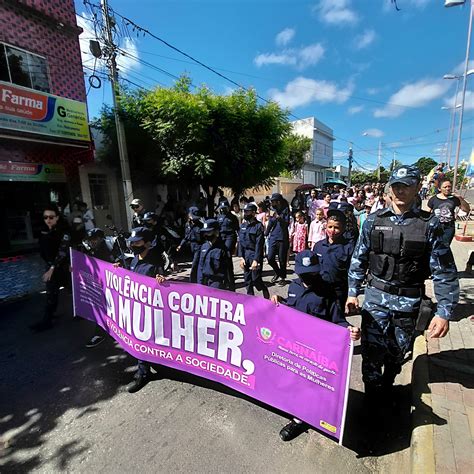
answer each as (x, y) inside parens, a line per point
(293, 429)
(138, 383)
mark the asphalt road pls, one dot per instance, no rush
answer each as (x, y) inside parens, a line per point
(64, 408)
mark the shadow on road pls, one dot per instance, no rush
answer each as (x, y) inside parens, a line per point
(45, 375)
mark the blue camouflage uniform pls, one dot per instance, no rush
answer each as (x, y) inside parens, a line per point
(278, 237)
(396, 285)
(251, 246)
(213, 263)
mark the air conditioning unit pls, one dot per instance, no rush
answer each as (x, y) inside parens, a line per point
(453, 3)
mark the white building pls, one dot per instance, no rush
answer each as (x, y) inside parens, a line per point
(319, 161)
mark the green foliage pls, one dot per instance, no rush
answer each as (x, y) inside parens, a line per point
(425, 165)
(362, 177)
(213, 140)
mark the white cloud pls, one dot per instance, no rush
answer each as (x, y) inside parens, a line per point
(125, 61)
(336, 12)
(365, 39)
(303, 91)
(459, 69)
(355, 109)
(339, 154)
(373, 90)
(285, 36)
(468, 100)
(373, 132)
(414, 95)
(301, 58)
(284, 59)
(128, 45)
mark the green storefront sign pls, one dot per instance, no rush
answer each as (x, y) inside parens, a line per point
(11, 171)
(27, 110)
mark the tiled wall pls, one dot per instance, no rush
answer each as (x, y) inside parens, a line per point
(47, 28)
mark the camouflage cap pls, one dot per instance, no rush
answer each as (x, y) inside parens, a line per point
(406, 174)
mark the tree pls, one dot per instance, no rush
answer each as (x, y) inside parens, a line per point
(425, 165)
(214, 140)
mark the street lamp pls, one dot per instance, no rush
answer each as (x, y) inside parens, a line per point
(450, 3)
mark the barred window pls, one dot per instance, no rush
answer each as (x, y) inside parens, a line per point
(99, 191)
(23, 68)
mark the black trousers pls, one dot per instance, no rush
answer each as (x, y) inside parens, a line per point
(253, 279)
(278, 248)
(60, 277)
(229, 242)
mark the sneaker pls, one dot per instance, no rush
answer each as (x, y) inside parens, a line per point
(292, 430)
(282, 281)
(41, 326)
(95, 341)
(137, 384)
(275, 279)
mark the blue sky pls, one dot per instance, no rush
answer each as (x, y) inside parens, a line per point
(369, 72)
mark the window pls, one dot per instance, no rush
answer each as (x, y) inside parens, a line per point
(99, 191)
(23, 68)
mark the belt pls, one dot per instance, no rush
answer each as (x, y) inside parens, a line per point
(416, 292)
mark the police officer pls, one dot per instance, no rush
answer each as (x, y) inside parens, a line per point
(278, 238)
(214, 258)
(192, 238)
(250, 251)
(335, 252)
(54, 242)
(138, 212)
(146, 261)
(95, 246)
(150, 221)
(399, 247)
(229, 228)
(308, 294)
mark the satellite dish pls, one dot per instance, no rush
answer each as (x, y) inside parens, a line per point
(453, 3)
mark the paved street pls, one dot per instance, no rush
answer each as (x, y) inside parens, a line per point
(64, 407)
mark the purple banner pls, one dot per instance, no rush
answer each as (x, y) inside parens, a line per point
(275, 354)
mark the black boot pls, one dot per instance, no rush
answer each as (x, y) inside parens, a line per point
(138, 383)
(292, 430)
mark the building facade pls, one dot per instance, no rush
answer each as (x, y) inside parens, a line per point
(44, 133)
(319, 160)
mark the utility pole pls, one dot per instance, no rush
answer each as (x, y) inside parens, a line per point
(350, 159)
(122, 144)
(379, 161)
(394, 159)
(463, 96)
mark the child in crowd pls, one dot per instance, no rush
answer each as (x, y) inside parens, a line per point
(334, 253)
(299, 233)
(308, 294)
(317, 229)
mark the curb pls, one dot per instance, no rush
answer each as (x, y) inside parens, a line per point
(422, 455)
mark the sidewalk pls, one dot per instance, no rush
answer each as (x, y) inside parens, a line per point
(443, 382)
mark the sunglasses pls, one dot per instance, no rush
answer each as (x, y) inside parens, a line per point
(49, 216)
(134, 206)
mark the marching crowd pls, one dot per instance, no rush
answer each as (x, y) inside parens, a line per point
(373, 239)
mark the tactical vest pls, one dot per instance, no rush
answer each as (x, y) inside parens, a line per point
(399, 252)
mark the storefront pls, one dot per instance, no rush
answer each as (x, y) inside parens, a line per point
(44, 139)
